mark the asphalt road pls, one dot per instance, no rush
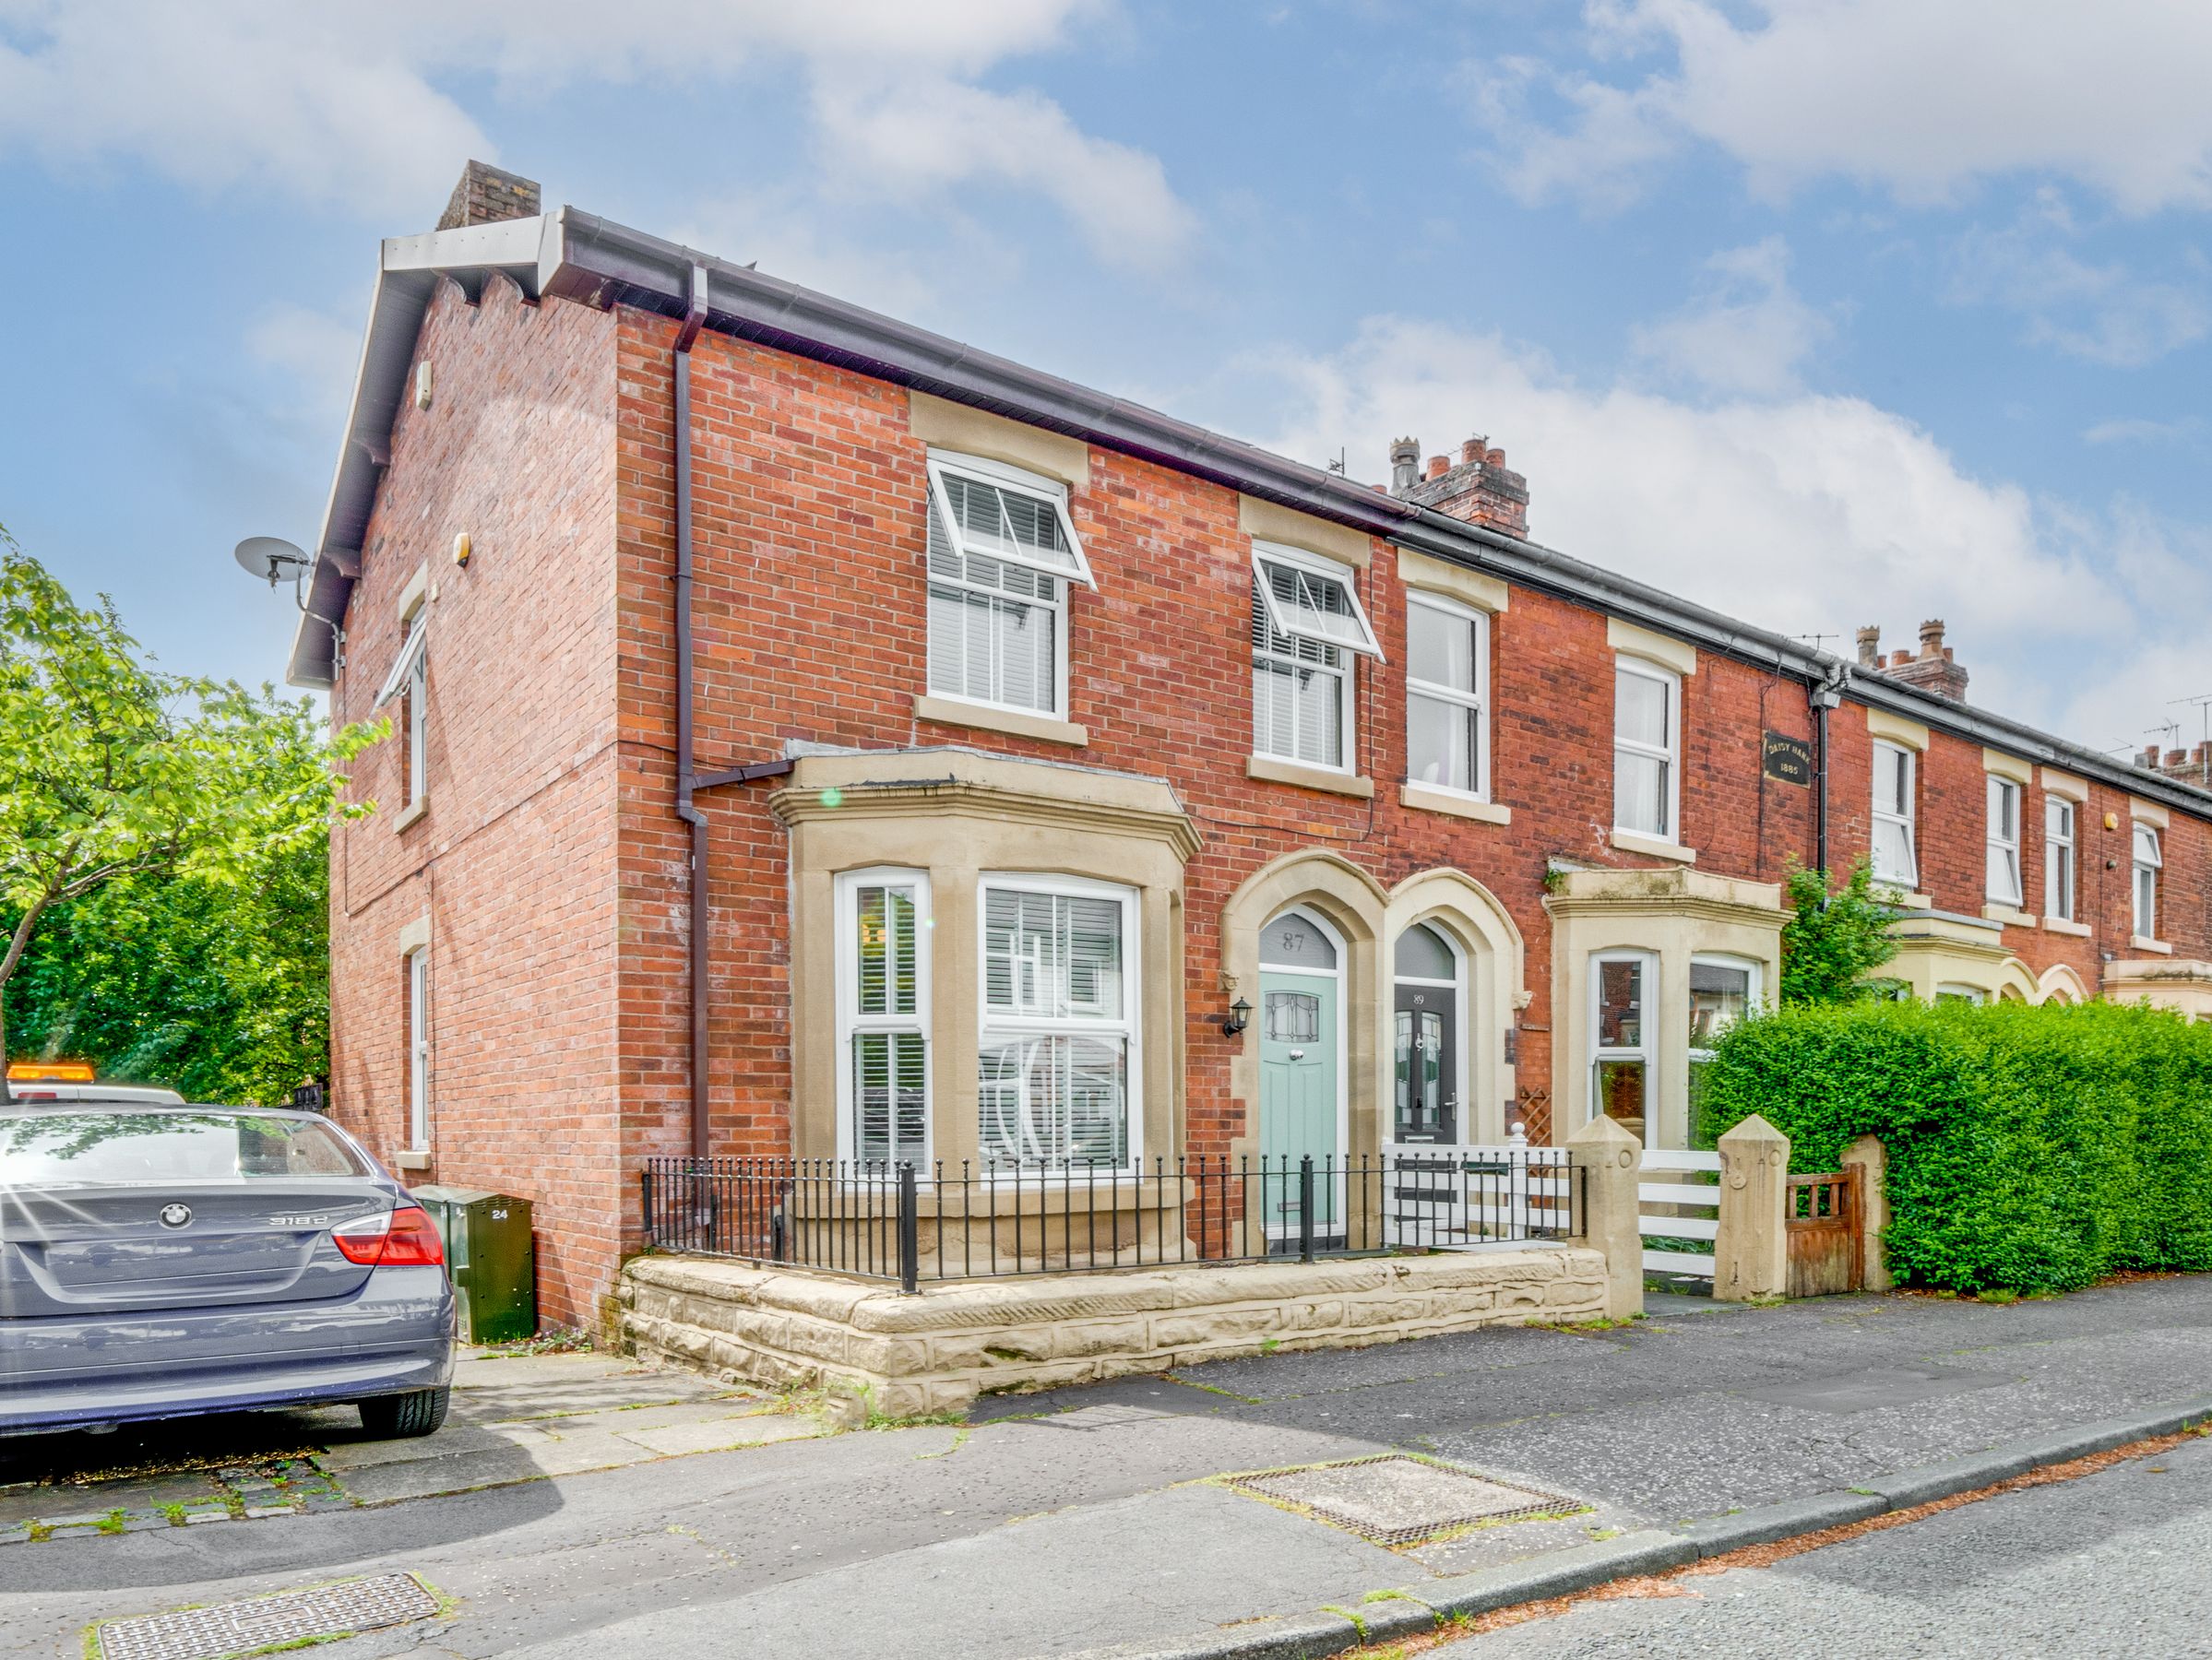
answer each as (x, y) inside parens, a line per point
(2110, 1564)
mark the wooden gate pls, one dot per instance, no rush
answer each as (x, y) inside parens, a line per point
(1822, 1222)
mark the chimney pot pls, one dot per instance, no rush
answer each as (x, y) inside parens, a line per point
(1470, 451)
(1439, 466)
(1405, 465)
(1496, 458)
(1870, 648)
(1932, 633)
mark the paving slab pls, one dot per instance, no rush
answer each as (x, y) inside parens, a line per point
(718, 1435)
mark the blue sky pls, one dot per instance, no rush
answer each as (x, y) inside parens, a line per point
(1824, 312)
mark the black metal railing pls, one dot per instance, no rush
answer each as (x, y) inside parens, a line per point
(911, 1221)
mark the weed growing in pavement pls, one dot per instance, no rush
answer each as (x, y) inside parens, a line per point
(176, 1512)
(39, 1532)
(553, 1340)
(112, 1521)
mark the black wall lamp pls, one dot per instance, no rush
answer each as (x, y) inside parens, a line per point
(1237, 1019)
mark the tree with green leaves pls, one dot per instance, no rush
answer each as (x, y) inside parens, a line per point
(1833, 940)
(117, 778)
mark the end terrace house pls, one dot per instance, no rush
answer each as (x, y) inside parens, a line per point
(814, 737)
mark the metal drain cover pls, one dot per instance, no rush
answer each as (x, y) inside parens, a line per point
(263, 1623)
(1397, 1499)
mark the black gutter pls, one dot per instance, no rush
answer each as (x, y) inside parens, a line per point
(695, 318)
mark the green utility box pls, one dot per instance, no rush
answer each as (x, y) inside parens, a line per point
(491, 1260)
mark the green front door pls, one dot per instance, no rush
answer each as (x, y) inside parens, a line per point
(1297, 1102)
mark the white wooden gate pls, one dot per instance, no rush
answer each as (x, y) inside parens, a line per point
(1678, 1198)
(1453, 1196)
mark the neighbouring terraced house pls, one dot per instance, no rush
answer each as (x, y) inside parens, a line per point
(818, 738)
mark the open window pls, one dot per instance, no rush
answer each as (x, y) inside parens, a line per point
(1310, 598)
(409, 681)
(994, 512)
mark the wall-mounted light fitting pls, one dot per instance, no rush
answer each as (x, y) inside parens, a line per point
(462, 550)
(1237, 1019)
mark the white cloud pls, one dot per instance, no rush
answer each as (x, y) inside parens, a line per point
(1746, 331)
(1922, 99)
(1802, 514)
(350, 105)
(317, 352)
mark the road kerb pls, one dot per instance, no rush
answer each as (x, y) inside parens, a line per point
(1579, 1568)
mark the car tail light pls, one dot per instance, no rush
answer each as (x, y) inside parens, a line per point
(400, 1238)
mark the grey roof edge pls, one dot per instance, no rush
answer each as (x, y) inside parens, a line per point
(596, 262)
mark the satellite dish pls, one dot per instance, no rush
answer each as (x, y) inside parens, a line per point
(271, 558)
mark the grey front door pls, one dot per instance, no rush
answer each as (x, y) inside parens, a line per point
(1426, 1065)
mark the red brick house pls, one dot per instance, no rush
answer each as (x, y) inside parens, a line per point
(1014, 735)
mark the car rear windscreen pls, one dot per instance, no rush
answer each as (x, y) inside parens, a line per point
(168, 1146)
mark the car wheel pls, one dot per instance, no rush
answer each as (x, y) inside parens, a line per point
(419, 1412)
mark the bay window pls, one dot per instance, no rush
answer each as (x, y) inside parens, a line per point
(1722, 992)
(1447, 682)
(1001, 554)
(1057, 1054)
(2058, 858)
(2004, 877)
(1623, 1051)
(1307, 626)
(1647, 738)
(883, 1015)
(1894, 860)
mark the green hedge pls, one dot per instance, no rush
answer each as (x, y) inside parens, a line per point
(2029, 1147)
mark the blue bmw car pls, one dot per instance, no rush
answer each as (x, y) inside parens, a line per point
(160, 1260)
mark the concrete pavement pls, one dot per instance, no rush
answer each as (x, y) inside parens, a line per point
(1088, 1518)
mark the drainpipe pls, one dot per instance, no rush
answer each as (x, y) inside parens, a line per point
(1823, 694)
(695, 318)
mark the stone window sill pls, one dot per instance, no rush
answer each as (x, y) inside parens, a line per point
(2156, 947)
(1270, 771)
(1430, 800)
(1630, 841)
(418, 1160)
(2008, 914)
(2059, 925)
(411, 813)
(952, 711)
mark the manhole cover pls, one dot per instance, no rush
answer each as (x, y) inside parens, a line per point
(290, 1618)
(1397, 1499)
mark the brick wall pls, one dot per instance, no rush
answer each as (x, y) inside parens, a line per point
(513, 862)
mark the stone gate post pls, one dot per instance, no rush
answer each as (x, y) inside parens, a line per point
(1750, 1258)
(1613, 1159)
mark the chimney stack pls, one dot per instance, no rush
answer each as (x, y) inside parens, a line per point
(1476, 487)
(1932, 670)
(487, 195)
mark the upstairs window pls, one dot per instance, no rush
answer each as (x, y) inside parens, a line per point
(2149, 860)
(1894, 860)
(1307, 625)
(1057, 1050)
(1448, 681)
(1646, 738)
(1001, 552)
(2058, 858)
(2004, 842)
(409, 681)
(883, 1015)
